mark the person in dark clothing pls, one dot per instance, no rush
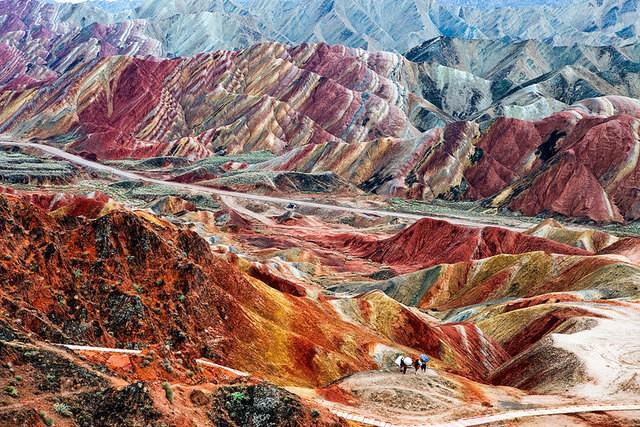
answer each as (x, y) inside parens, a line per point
(416, 365)
(423, 362)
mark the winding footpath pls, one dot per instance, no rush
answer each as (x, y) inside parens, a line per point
(462, 220)
(463, 422)
(202, 362)
(488, 419)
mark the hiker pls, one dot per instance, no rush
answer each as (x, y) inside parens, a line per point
(406, 362)
(423, 362)
(399, 362)
(403, 363)
(417, 365)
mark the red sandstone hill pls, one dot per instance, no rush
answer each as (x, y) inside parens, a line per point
(429, 242)
(373, 118)
(580, 163)
(628, 247)
(266, 97)
(97, 281)
(322, 108)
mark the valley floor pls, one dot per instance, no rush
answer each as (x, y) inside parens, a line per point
(530, 323)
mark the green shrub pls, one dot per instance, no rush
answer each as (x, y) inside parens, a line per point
(476, 156)
(166, 364)
(167, 391)
(62, 409)
(46, 419)
(11, 391)
(238, 396)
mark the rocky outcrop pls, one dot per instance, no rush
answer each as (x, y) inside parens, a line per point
(540, 276)
(475, 354)
(429, 242)
(581, 163)
(588, 239)
(292, 97)
(378, 120)
(97, 281)
(265, 405)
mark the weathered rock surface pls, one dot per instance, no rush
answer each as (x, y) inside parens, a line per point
(429, 242)
(292, 97)
(98, 281)
(386, 25)
(581, 163)
(381, 121)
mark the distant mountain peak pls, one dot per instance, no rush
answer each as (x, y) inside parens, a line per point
(392, 25)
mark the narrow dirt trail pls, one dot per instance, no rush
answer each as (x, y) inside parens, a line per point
(61, 350)
(483, 420)
(89, 349)
(344, 413)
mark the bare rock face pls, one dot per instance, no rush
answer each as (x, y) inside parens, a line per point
(429, 242)
(525, 371)
(581, 163)
(504, 145)
(171, 205)
(193, 106)
(101, 84)
(104, 286)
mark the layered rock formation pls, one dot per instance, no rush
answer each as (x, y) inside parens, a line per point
(200, 286)
(548, 310)
(104, 287)
(83, 269)
(128, 107)
(464, 78)
(527, 275)
(380, 121)
(580, 163)
(590, 240)
(394, 26)
(97, 281)
(477, 79)
(429, 242)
